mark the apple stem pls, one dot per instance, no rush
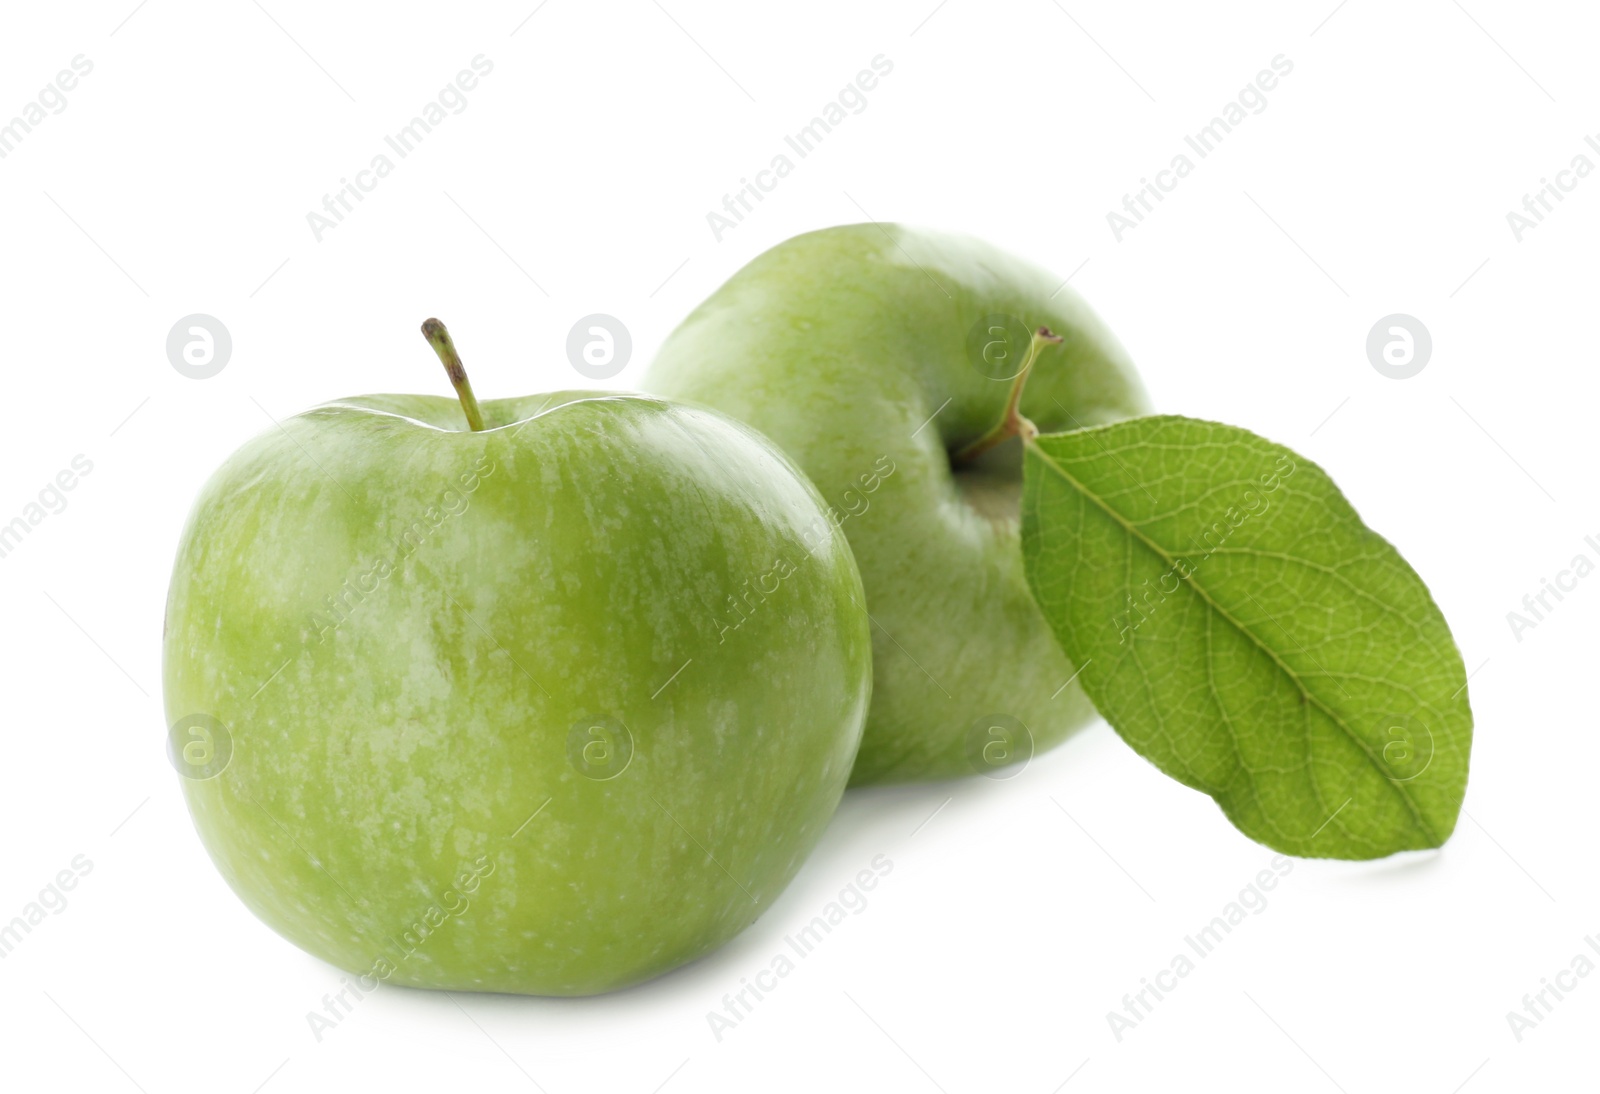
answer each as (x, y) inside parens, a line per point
(439, 339)
(1012, 423)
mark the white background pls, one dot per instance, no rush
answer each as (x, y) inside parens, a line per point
(578, 180)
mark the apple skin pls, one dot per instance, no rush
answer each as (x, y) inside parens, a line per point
(840, 345)
(393, 728)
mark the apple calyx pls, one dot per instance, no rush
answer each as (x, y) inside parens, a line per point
(1012, 423)
(439, 338)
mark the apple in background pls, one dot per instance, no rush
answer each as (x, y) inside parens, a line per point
(870, 353)
(471, 708)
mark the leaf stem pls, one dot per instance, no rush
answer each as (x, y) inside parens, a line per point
(439, 338)
(1011, 423)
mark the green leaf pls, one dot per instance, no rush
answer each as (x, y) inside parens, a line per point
(1244, 631)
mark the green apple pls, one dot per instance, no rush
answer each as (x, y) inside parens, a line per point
(871, 353)
(458, 696)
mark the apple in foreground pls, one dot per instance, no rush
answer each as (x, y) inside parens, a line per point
(871, 354)
(456, 696)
